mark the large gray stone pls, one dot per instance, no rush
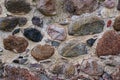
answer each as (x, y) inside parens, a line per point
(86, 25)
(72, 48)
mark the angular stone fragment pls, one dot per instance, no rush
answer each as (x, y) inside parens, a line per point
(42, 52)
(80, 6)
(16, 44)
(109, 4)
(17, 6)
(86, 25)
(72, 48)
(109, 44)
(33, 34)
(91, 67)
(46, 7)
(57, 32)
(116, 24)
(8, 23)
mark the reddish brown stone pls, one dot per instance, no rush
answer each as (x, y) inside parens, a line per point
(47, 7)
(17, 73)
(116, 24)
(14, 43)
(41, 52)
(116, 75)
(109, 44)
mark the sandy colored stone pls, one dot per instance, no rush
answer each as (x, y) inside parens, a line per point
(109, 44)
(69, 71)
(42, 52)
(16, 44)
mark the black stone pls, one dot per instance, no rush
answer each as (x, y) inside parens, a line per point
(33, 34)
(20, 57)
(16, 61)
(90, 42)
(37, 21)
(22, 21)
(16, 31)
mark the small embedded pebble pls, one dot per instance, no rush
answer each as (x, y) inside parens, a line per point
(16, 61)
(16, 31)
(20, 57)
(55, 43)
(90, 42)
(22, 21)
(1, 50)
(20, 61)
(109, 23)
(37, 21)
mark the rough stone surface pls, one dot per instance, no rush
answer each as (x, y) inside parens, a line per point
(33, 34)
(116, 75)
(118, 6)
(1, 10)
(91, 67)
(17, 6)
(22, 21)
(37, 21)
(16, 31)
(90, 42)
(109, 4)
(8, 23)
(72, 49)
(14, 43)
(57, 32)
(86, 25)
(69, 71)
(117, 23)
(46, 7)
(108, 44)
(42, 52)
(80, 6)
(19, 73)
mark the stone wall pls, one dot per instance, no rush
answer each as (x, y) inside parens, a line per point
(59, 40)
